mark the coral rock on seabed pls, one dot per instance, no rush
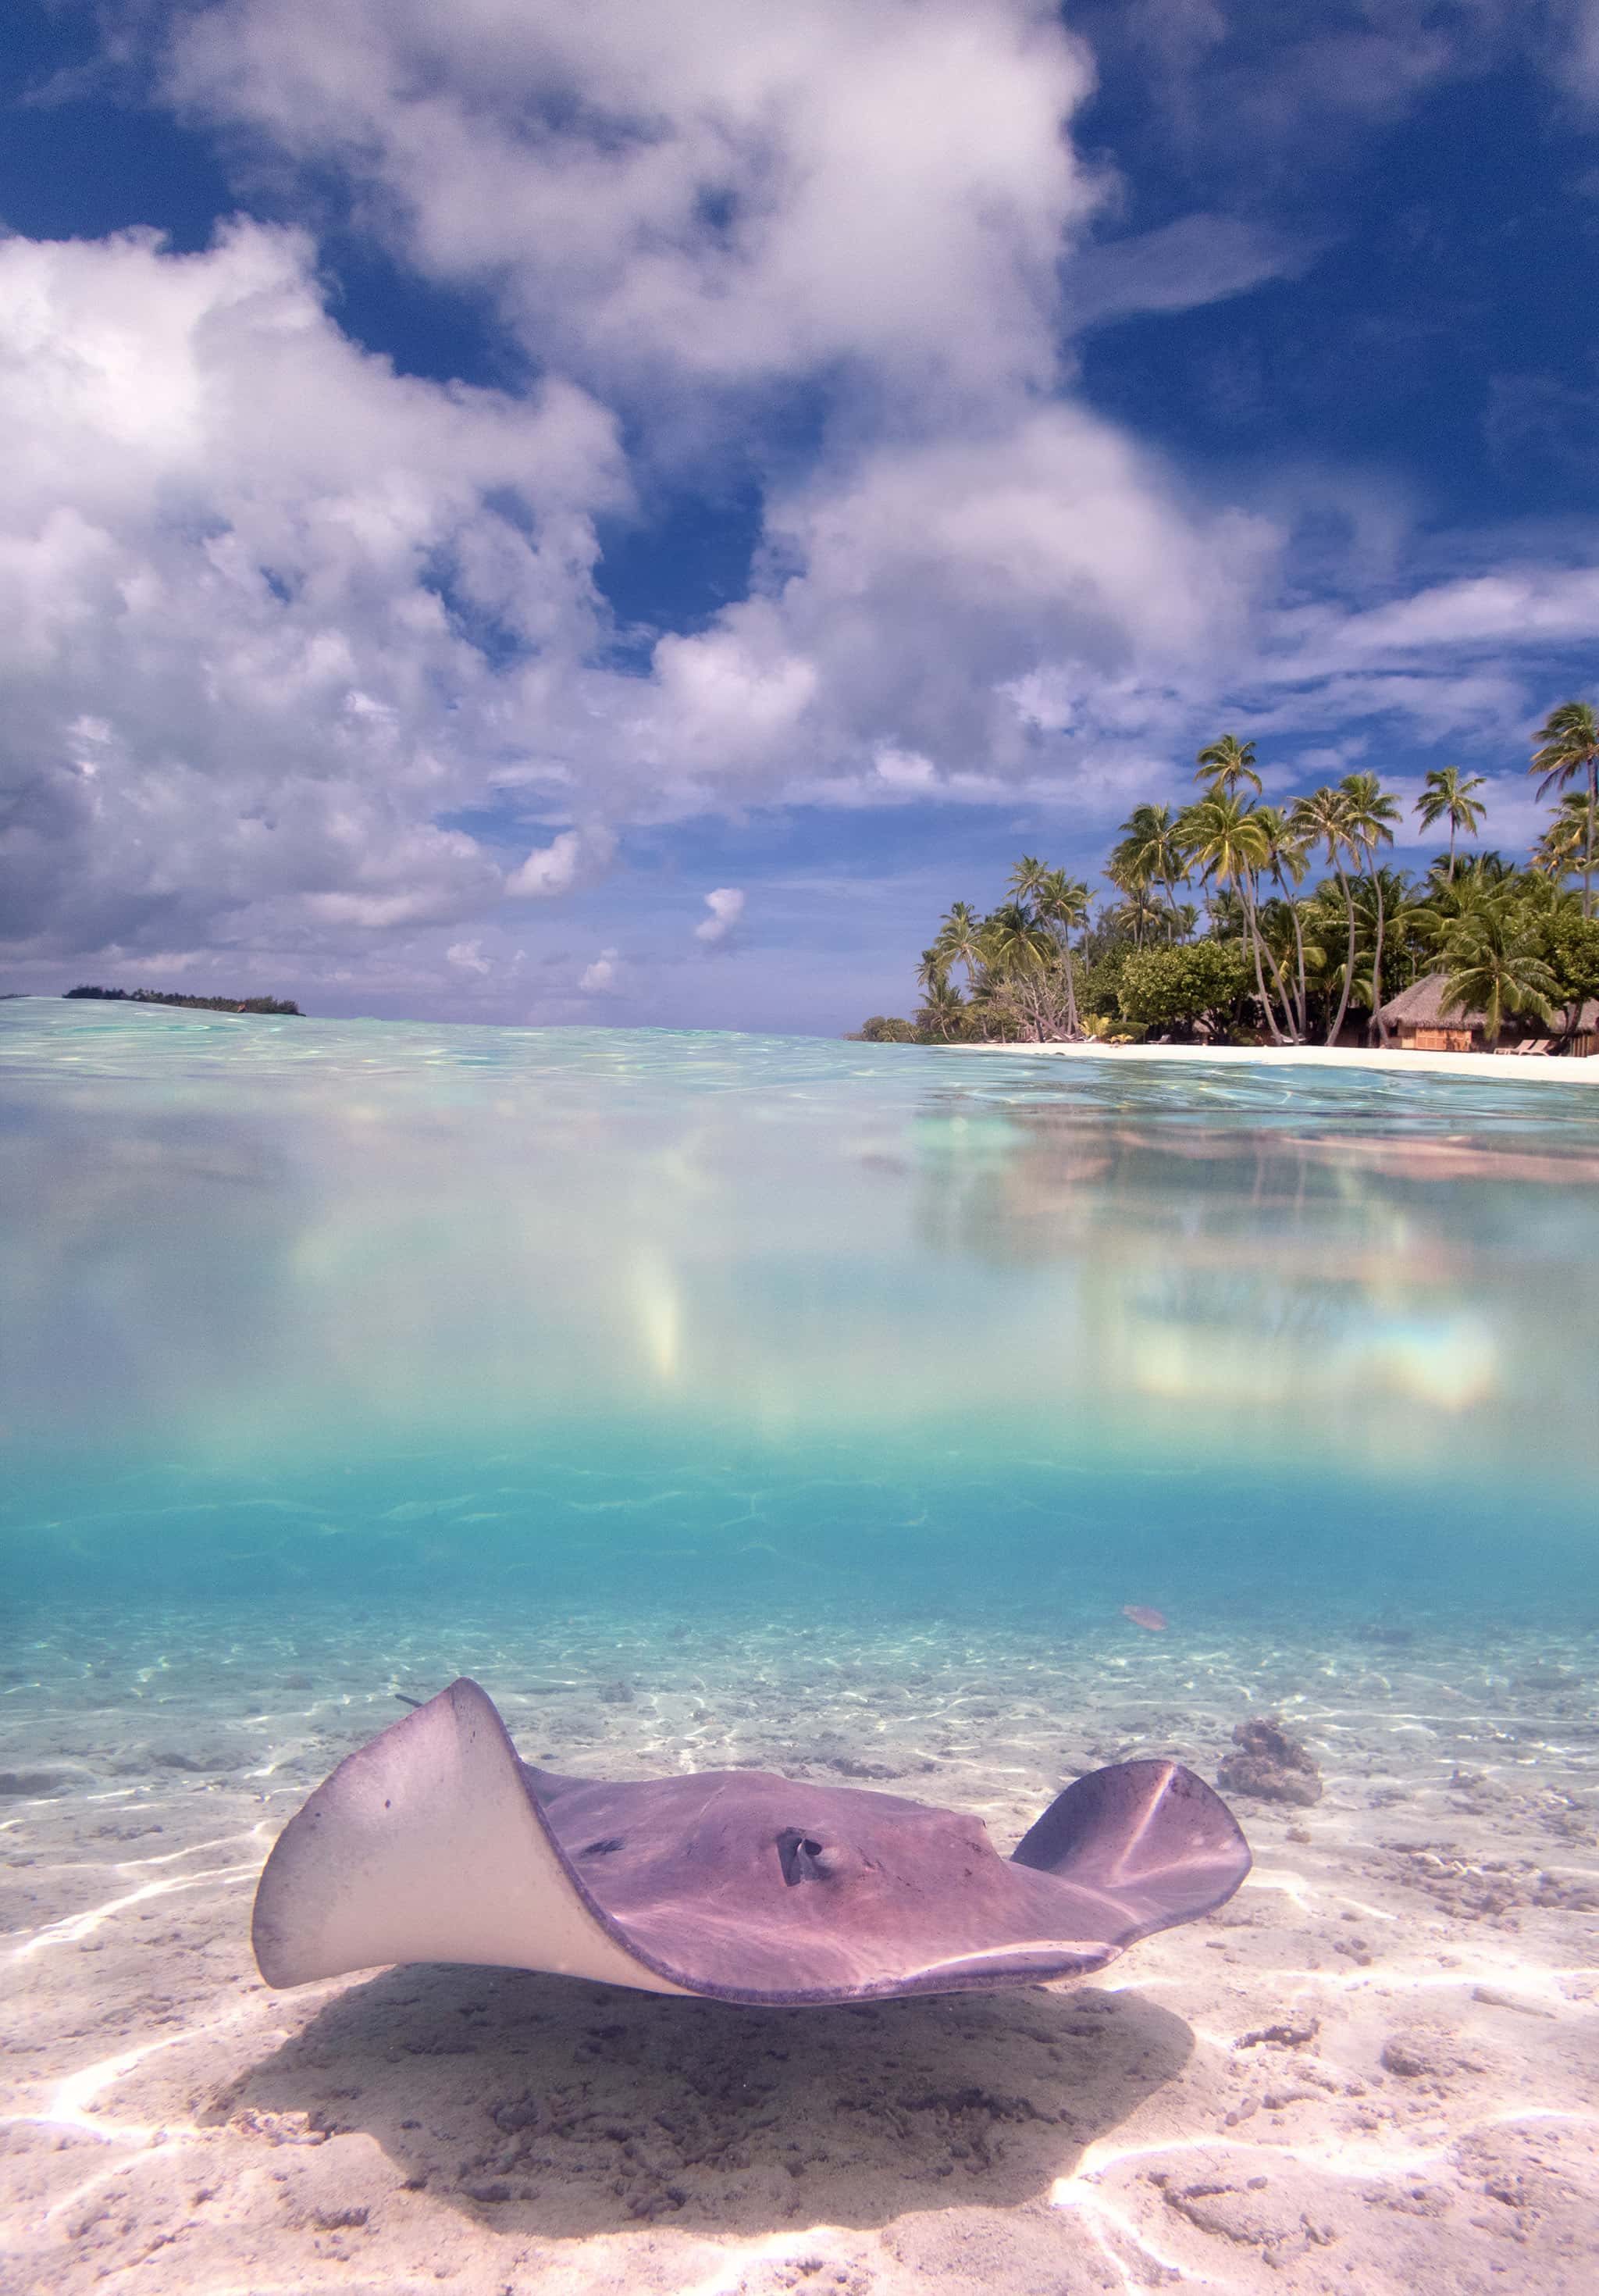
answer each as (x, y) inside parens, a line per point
(1270, 1764)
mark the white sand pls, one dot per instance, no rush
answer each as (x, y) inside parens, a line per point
(1376, 2070)
(1522, 1065)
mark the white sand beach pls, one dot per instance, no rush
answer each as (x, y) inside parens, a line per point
(1377, 2068)
(1487, 1065)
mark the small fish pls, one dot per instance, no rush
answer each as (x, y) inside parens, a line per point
(1142, 1615)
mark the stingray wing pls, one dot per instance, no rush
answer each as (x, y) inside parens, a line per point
(427, 1846)
(1149, 1841)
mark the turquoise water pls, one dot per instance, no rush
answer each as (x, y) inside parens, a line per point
(330, 1319)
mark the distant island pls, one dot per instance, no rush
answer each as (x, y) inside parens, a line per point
(195, 1003)
(1478, 955)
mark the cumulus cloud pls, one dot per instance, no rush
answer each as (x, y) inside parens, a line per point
(903, 769)
(931, 577)
(246, 573)
(467, 956)
(700, 192)
(602, 977)
(726, 907)
(576, 857)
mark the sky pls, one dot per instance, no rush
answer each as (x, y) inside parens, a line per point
(618, 512)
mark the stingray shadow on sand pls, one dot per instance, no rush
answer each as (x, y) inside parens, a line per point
(563, 2109)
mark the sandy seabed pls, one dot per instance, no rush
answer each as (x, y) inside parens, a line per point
(1377, 2068)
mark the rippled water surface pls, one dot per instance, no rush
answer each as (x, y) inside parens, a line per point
(335, 1312)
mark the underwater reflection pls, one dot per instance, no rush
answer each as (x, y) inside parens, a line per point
(1337, 1280)
(370, 1236)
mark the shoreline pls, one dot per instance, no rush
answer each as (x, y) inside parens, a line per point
(1581, 1070)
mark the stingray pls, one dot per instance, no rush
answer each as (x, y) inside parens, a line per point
(436, 1842)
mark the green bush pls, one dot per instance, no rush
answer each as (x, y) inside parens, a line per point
(1098, 985)
(1571, 952)
(1180, 986)
(882, 1029)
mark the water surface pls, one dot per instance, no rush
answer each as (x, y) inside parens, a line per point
(673, 1326)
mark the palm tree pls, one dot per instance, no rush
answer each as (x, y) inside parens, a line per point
(1183, 833)
(1062, 902)
(1018, 949)
(1322, 818)
(1140, 912)
(1149, 853)
(1444, 792)
(1230, 844)
(1014, 941)
(1225, 763)
(1328, 959)
(1478, 873)
(1285, 858)
(1566, 838)
(1131, 883)
(1371, 816)
(1569, 745)
(941, 1009)
(1493, 968)
(1480, 878)
(960, 940)
(1028, 877)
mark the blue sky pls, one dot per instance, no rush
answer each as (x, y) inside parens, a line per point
(564, 513)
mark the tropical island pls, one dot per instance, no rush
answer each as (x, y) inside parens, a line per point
(1208, 937)
(274, 1004)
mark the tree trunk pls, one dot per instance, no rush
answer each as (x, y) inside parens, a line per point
(1254, 933)
(1493, 1017)
(1349, 968)
(1298, 943)
(1588, 846)
(1281, 985)
(1377, 1021)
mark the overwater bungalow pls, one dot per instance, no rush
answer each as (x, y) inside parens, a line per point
(1416, 1021)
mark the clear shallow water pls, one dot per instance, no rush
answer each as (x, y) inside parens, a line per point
(306, 1318)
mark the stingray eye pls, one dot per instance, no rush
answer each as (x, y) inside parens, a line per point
(799, 1857)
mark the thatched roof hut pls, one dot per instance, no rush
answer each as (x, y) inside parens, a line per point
(1417, 1017)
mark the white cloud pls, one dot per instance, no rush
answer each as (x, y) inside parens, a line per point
(702, 191)
(242, 568)
(1198, 258)
(576, 857)
(1520, 606)
(726, 907)
(603, 977)
(903, 769)
(467, 956)
(936, 584)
